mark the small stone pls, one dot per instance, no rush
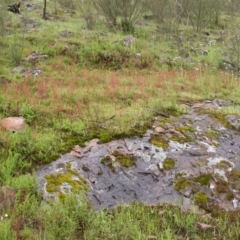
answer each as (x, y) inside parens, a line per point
(159, 130)
(18, 69)
(160, 165)
(186, 192)
(14, 123)
(235, 203)
(129, 40)
(138, 55)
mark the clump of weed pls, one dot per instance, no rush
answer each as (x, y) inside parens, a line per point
(168, 163)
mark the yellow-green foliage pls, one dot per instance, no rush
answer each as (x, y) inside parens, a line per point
(54, 181)
(160, 141)
(124, 159)
(181, 183)
(219, 116)
(184, 131)
(203, 179)
(200, 198)
(168, 163)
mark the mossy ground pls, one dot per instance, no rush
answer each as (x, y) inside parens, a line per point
(87, 78)
(234, 179)
(223, 164)
(125, 160)
(55, 181)
(181, 134)
(168, 163)
(203, 179)
(181, 183)
(200, 198)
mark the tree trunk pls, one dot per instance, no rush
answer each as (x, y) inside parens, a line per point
(44, 9)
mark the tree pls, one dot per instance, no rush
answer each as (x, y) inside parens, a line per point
(199, 12)
(44, 9)
(125, 12)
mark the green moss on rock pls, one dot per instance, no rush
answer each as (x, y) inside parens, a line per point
(234, 178)
(181, 183)
(160, 141)
(203, 179)
(124, 159)
(77, 183)
(168, 163)
(222, 186)
(223, 164)
(200, 198)
(107, 161)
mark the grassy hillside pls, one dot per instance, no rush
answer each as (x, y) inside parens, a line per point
(73, 79)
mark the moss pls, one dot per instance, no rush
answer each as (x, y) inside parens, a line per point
(107, 161)
(124, 160)
(223, 164)
(212, 134)
(229, 196)
(234, 178)
(200, 198)
(202, 162)
(160, 141)
(173, 110)
(69, 140)
(182, 183)
(194, 191)
(184, 130)
(163, 120)
(62, 196)
(216, 212)
(168, 163)
(175, 137)
(69, 169)
(203, 179)
(54, 182)
(219, 116)
(222, 186)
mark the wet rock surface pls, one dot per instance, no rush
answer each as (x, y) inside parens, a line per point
(188, 160)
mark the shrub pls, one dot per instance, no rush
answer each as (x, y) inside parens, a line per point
(125, 11)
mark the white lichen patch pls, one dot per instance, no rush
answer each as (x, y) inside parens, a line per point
(220, 173)
(178, 147)
(212, 161)
(153, 167)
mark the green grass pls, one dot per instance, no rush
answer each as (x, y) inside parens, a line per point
(92, 85)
